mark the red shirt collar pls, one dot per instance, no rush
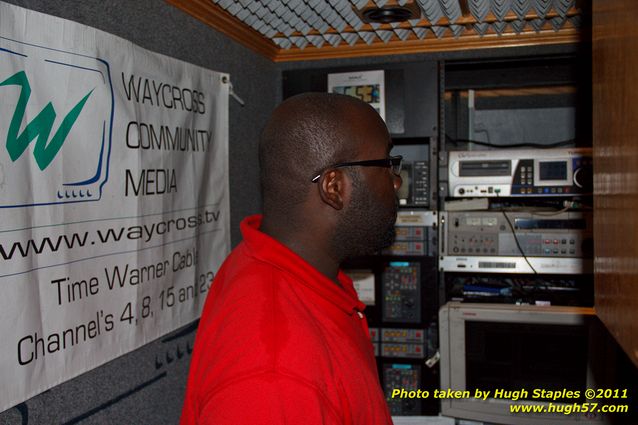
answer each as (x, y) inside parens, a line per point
(264, 248)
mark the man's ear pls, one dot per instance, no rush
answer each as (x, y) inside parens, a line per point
(334, 188)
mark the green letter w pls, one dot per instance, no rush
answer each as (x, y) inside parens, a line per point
(40, 127)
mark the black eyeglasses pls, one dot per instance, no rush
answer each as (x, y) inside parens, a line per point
(393, 162)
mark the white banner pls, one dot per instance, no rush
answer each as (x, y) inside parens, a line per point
(114, 204)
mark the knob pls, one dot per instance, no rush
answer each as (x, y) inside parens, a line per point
(584, 178)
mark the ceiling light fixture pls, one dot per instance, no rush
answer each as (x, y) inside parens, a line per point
(391, 12)
(386, 15)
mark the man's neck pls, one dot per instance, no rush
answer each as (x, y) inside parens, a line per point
(314, 250)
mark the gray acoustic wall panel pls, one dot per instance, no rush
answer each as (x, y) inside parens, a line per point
(147, 385)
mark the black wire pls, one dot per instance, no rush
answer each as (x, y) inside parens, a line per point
(515, 145)
(516, 239)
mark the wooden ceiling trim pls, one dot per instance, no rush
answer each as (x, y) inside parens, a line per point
(217, 18)
(398, 47)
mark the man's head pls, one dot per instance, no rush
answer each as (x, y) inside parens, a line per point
(352, 208)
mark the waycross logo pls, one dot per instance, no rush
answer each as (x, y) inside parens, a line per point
(56, 119)
(40, 127)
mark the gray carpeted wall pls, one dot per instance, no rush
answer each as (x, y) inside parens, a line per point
(147, 385)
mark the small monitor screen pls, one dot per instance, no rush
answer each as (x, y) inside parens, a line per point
(515, 356)
(552, 170)
(405, 193)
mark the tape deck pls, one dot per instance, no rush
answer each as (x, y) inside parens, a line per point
(520, 172)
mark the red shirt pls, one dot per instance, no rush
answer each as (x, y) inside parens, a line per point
(280, 343)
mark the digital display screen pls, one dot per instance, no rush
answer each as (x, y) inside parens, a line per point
(405, 193)
(552, 170)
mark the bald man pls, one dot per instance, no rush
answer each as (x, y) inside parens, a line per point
(282, 339)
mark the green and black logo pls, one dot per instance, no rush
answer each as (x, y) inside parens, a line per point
(39, 128)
